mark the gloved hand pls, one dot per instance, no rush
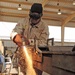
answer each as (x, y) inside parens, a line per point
(18, 40)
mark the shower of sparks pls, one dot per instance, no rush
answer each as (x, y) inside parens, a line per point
(30, 70)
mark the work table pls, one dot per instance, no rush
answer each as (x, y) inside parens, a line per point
(59, 60)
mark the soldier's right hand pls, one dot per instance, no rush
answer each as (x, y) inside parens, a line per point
(18, 40)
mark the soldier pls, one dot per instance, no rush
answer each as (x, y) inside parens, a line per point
(32, 27)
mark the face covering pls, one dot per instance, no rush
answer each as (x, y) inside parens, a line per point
(35, 16)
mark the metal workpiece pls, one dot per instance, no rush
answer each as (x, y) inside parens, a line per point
(59, 60)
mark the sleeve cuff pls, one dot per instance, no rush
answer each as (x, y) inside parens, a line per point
(13, 34)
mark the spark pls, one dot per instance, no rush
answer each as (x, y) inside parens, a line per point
(30, 70)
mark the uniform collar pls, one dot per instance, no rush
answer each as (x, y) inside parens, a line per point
(37, 25)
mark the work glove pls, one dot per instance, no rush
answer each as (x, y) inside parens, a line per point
(19, 39)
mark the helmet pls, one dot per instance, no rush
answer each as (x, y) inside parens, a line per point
(36, 7)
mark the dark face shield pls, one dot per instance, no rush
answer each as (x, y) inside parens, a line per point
(35, 16)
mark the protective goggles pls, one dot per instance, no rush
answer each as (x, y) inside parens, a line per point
(35, 16)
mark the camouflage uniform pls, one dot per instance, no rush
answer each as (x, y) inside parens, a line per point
(38, 31)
